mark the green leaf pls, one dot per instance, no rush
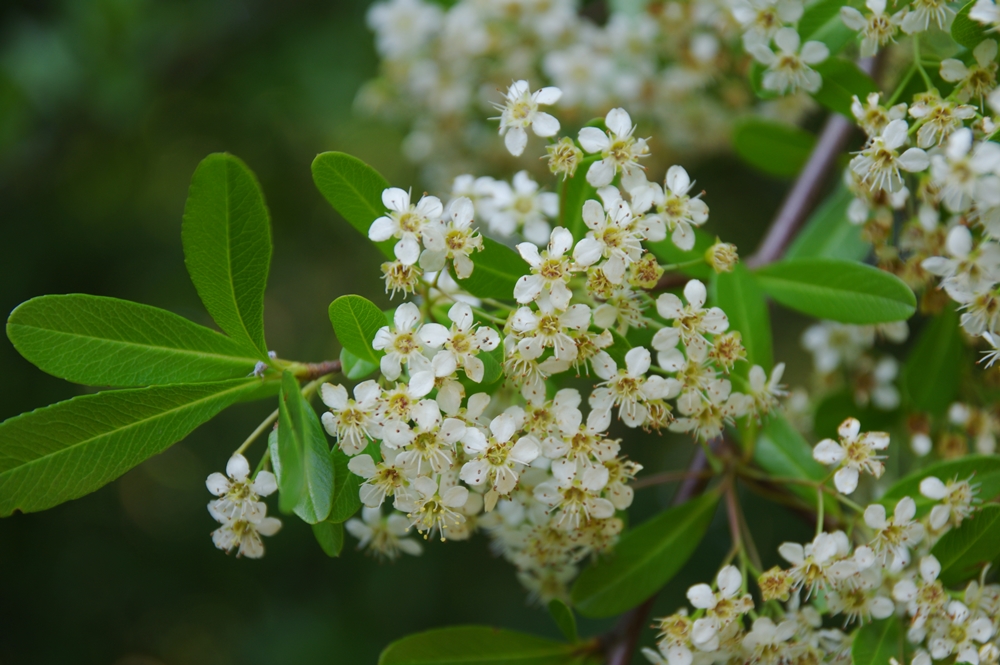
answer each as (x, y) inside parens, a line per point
(354, 189)
(782, 452)
(345, 500)
(829, 234)
(838, 290)
(775, 148)
(842, 80)
(965, 31)
(981, 470)
(821, 22)
(109, 342)
(72, 448)
(356, 320)
(227, 247)
(934, 368)
(645, 559)
(330, 537)
(492, 368)
(964, 551)
(563, 616)
(875, 643)
(497, 270)
(575, 191)
(479, 645)
(739, 296)
(667, 252)
(304, 469)
(355, 368)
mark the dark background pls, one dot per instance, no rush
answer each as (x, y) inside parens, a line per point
(106, 107)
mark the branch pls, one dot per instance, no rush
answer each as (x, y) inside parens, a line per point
(316, 370)
(620, 642)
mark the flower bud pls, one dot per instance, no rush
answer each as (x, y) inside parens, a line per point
(564, 157)
(722, 256)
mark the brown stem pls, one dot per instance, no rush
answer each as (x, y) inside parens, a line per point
(620, 642)
(668, 477)
(316, 370)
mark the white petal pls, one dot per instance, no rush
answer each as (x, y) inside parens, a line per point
(515, 139)
(545, 125)
(593, 140)
(619, 122)
(701, 596)
(396, 199)
(846, 480)
(217, 484)
(238, 468)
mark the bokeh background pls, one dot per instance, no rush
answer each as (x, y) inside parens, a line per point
(106, 107)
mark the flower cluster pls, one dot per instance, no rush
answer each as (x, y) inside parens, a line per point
(238, 509)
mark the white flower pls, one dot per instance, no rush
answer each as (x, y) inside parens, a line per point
(550, 271)
(460, 240)
(459, 345)
(788, 70)
(958, 633)
(383, 535)
(991, 356)
(401, 343)
(437, 510)
(878, 29)
(244, 534)
(855, 453)
(238, 497)
(520, 111)
(678, 211)
(691, 322)
(411, 224)
(976, 81)
(766, 392)
(970, 271)
(352, 421)
(761, 19)
(919, 15)
(940, 117)
(768, 640)
(966, 175)
(986, 12)
(402, 27)
(872, 117)
(894, 537)
(495, 459)
(542, 330)
(619, 150)
(520, 207)
(925, 597)
(629, 388)
(956, 499)
(612, 236)
(878, 165)
(720, 608)
(387, 478)
(430, 444)
(833, 343)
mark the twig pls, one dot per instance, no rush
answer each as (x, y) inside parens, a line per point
(620, 642)
(668, 477)
(316, 370)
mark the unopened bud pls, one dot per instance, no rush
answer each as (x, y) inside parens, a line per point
(646, 272)
(774, 584)
(399, 277)
(722, 256)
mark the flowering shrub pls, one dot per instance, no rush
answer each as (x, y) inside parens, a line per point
(538, 322)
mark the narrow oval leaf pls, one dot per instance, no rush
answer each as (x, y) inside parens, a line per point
(72, 448)
(877, 642)
(305, 470)
(645, 559)
(980, 470)
(227, 247)
(838, 290)
(964, 551)
(933, 371)
(356, 320)
(564, 618)
(355, 368)
(102, 341)
(482, 645)
(842, 80)
(775, 148)
(497, 270)
(330, 537)
(829, 234)
(345, 500)
(783, 452)
(965, 31)
(354, 189)
(740, 297)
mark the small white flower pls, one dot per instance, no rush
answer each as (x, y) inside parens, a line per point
(677, 211)
(691, 322)
(761, 19)
(897, 535)
(629, 388)
(238, 497)
(878, 165)
(956, 499)
(619, 150)
(437, 509)
(495, 460)
(550, 271)
(412, 224)
(789, 70)
(352, 421)
(383, 535)
(878, 29)
(991, 356)
(459, 345)
(612, 235)
(520, 111)
(977, 81)
(986, 12)
(244, 534)
(855, 453)
(401, 343)
(520, 206)
(921, 13)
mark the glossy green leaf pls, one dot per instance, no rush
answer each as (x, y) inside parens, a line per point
(497, 269)
(964, 551)
(355, 368)
(668, 253)
(829, 234)
(492, 368)
(72, 448)
(645, 558)
(838, 290)
(330, 536)
(109, 342)
(965, 31)
(842, 80)
(478, 645)
(740, 297)
(564, 618)
(345, 500)
(784, 453)
(227, 247)
(775, 148)
(876, 642)
(575, 191)
(933, 370)
(980, 470)
(356, 320)
(821, 22)
(354, 189)
(304, 469)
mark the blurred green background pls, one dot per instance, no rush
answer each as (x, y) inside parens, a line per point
(106, 107)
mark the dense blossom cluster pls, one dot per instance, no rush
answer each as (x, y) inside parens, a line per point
(884, 567)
